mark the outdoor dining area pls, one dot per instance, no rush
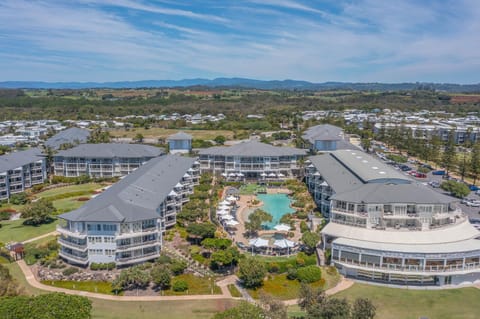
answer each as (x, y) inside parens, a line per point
(273, 244)
(226, 214)
(234, 176)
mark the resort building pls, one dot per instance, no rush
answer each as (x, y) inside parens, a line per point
(252, 160)
(103, 160)
(124, 224)
(21, 170)
(326, 137)
(180, 142)
(386, 227)
(71, 136)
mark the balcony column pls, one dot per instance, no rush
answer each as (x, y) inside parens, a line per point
(463, 263)
(403, 263)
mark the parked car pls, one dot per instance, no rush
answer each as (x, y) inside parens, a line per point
(405, 168)
(441, 172)
(471, 202)
(434, 184)
(420, 175)
(473, 188)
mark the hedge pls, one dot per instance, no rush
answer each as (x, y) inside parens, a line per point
(309, 274)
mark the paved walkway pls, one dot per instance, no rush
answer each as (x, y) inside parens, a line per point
(344, 284)
(34, 283)
(53, 233)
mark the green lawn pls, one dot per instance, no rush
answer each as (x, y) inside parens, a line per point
(86, 188)
(14, 230)
(234, 291)
(196, 286)
(180, 309)
(282, 288)
(68, 204)
(101, 287)
(250, 189)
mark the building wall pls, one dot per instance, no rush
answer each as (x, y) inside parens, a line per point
(180, 145)
(325, 145)
(22, 178)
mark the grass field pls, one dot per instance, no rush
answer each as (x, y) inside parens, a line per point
(194, 309)
(68, 204)
(162, 133)
(101, 287)
(196, 286)
(86, 188)
(14, 230)
(234, 291)
(392, 303)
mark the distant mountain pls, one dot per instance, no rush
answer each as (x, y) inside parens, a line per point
(245, 83)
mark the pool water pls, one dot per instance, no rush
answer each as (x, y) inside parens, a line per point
(276, 205)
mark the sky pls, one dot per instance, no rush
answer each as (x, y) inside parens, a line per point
(318, 41)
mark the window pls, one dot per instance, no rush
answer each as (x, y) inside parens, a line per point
(109, 252)
(95, 251)
(94, 240)
(108, 227)
(108, 239)
(99, 227)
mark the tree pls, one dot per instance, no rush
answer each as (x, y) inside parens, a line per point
(457, 189)
(46, 306)
(251, 272)
(38, 212)
(222, 258)
(98, 136)
(131, 278)
(310, 239)
(475, 162)
(273, 308)
(220, 139)
(161, 276)
(315, 303)
(448, 156)
(244, 310)
(256, 219)
(201, 230)
(363, 308)
(139, 138)
(434, 149)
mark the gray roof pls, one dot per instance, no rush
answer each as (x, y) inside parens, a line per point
(73, 135)
(17, 159)
(111, 150)
(366, 167)
(334, 173)
(137, 196)
(323, 132)
(252, 148)
(386, 193)
(179, 136)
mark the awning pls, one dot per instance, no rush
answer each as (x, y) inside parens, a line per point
(284, 243)
(282, 227)
(258, 242)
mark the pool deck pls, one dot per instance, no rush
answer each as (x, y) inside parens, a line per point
(245, 205)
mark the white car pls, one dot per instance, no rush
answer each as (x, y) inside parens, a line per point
(472, 203)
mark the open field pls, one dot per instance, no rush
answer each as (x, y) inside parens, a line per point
(162, 133)
(84, 188)
(14, 230)
(196, 286)
(198, 309)
(68, 204)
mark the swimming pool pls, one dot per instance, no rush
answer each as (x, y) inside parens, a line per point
(276, 205)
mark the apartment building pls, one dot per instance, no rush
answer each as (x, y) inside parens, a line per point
(124, 224)
(21, 170)
(103, 160)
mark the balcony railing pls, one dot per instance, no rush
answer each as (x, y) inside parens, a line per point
(67, 243)
(143, 243)
(138, 258)
(138, 233)
(68, 232)
(75, 258)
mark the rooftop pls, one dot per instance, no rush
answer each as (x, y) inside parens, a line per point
(17, 159)
(137, 196)
(179, 136)
(252, 148)
(73, 135)
(323, 132)
(111, 150)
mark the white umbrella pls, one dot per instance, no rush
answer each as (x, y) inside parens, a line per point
(224, 174)
(281, 227)
(224, 203)
(232, 175)
(231, 223)
(231, 198)
(284, 243)
(226, 217)
(240, 175)
(258, 242)
(224, 207)
(222, 212)
(280, 175)
(272, 175)
(263, 174)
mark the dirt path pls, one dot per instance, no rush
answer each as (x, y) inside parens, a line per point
(344, 284)
(53, 233)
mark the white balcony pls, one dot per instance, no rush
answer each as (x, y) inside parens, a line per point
(72, 245)
(68, 232)
(83, 260)
(137, 259)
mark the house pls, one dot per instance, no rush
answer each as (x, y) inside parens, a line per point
(71, 136)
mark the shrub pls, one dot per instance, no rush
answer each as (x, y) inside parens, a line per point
(69, 271)
(4, 215)
(292, 273)
(180, 285)
(102, 266)
(273, 267)
(178, 267)
(19, 199)
(309, 274)
(303, 226)
(164, 259)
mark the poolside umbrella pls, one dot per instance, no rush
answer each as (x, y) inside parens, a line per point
(224, 207)
(226, 217)
(224, 174)
(258, 242)
(280, 175)
(272, 175)
(224, 203)
(222, 212)
(232, 175)
(240, 175)
(284, 243)
(282, 227)
(231, 198)
(231, 223)
(263, 174)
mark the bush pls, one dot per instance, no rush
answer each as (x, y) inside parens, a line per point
(180, 285)
(178, 267)
(397, 158)
(102, 266)
(273, 267)
(292, 273)
(19, 199)
(164, 259)
(457, 189)
(69, 271)
(309, 274)
(4, 215)
(303, 226)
